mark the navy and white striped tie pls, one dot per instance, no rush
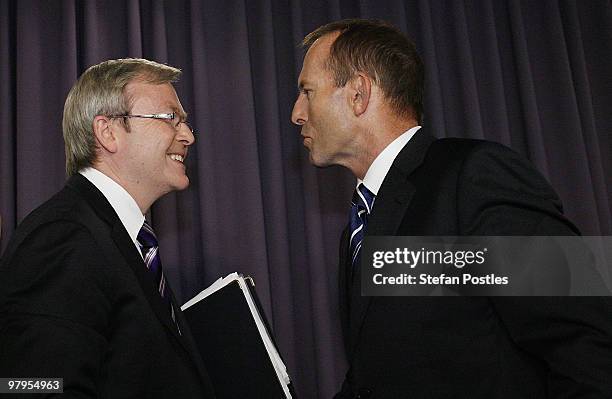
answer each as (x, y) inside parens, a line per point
(150, 253)
(361, 207)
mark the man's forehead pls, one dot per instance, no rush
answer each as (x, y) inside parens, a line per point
(322, 45)
(319, 51)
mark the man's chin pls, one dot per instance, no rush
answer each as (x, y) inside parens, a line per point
(318, 162)
(312, 158)
(181, 184)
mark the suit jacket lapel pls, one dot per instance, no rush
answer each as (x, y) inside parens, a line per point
(344, 286)
(129, 254)
(391, 203)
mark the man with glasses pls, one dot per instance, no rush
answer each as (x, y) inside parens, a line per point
(83, 295)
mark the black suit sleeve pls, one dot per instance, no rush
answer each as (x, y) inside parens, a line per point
(53, 309)
(572, 335)
(345, 391)
(502, 194)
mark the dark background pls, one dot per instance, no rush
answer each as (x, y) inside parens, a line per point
(534, 75)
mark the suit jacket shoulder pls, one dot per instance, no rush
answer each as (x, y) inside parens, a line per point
(499, 192)
(456, 186)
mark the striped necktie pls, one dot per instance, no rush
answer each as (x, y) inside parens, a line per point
(150, 253)
(361, 207)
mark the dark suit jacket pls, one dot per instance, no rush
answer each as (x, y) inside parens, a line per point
(470, 347)
(77, 302)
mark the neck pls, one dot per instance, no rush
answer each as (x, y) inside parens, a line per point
(131, 185)
(374, 141)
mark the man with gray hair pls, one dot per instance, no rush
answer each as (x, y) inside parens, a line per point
(83, 296)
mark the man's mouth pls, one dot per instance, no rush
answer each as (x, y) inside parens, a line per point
(177, 157)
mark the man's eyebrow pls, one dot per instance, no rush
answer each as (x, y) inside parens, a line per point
(181, 114)
(303, 82)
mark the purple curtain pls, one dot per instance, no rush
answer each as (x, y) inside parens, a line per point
(532, 75)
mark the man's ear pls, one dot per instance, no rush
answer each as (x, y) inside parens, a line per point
(361, 86)
(104, 131)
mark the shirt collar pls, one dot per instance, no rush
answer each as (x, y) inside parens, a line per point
(377, 172)
(122, 202)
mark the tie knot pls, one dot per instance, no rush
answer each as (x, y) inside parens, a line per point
(363, 198)
(146, 236)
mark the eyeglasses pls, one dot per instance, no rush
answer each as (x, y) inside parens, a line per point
(172, 117)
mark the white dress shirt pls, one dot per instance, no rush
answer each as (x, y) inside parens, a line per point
(377, 172)
(122, 202)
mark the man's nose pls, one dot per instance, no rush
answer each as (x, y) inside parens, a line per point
(299, 116)
(185, 134)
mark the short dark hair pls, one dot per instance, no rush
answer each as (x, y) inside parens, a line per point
(381, 51)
